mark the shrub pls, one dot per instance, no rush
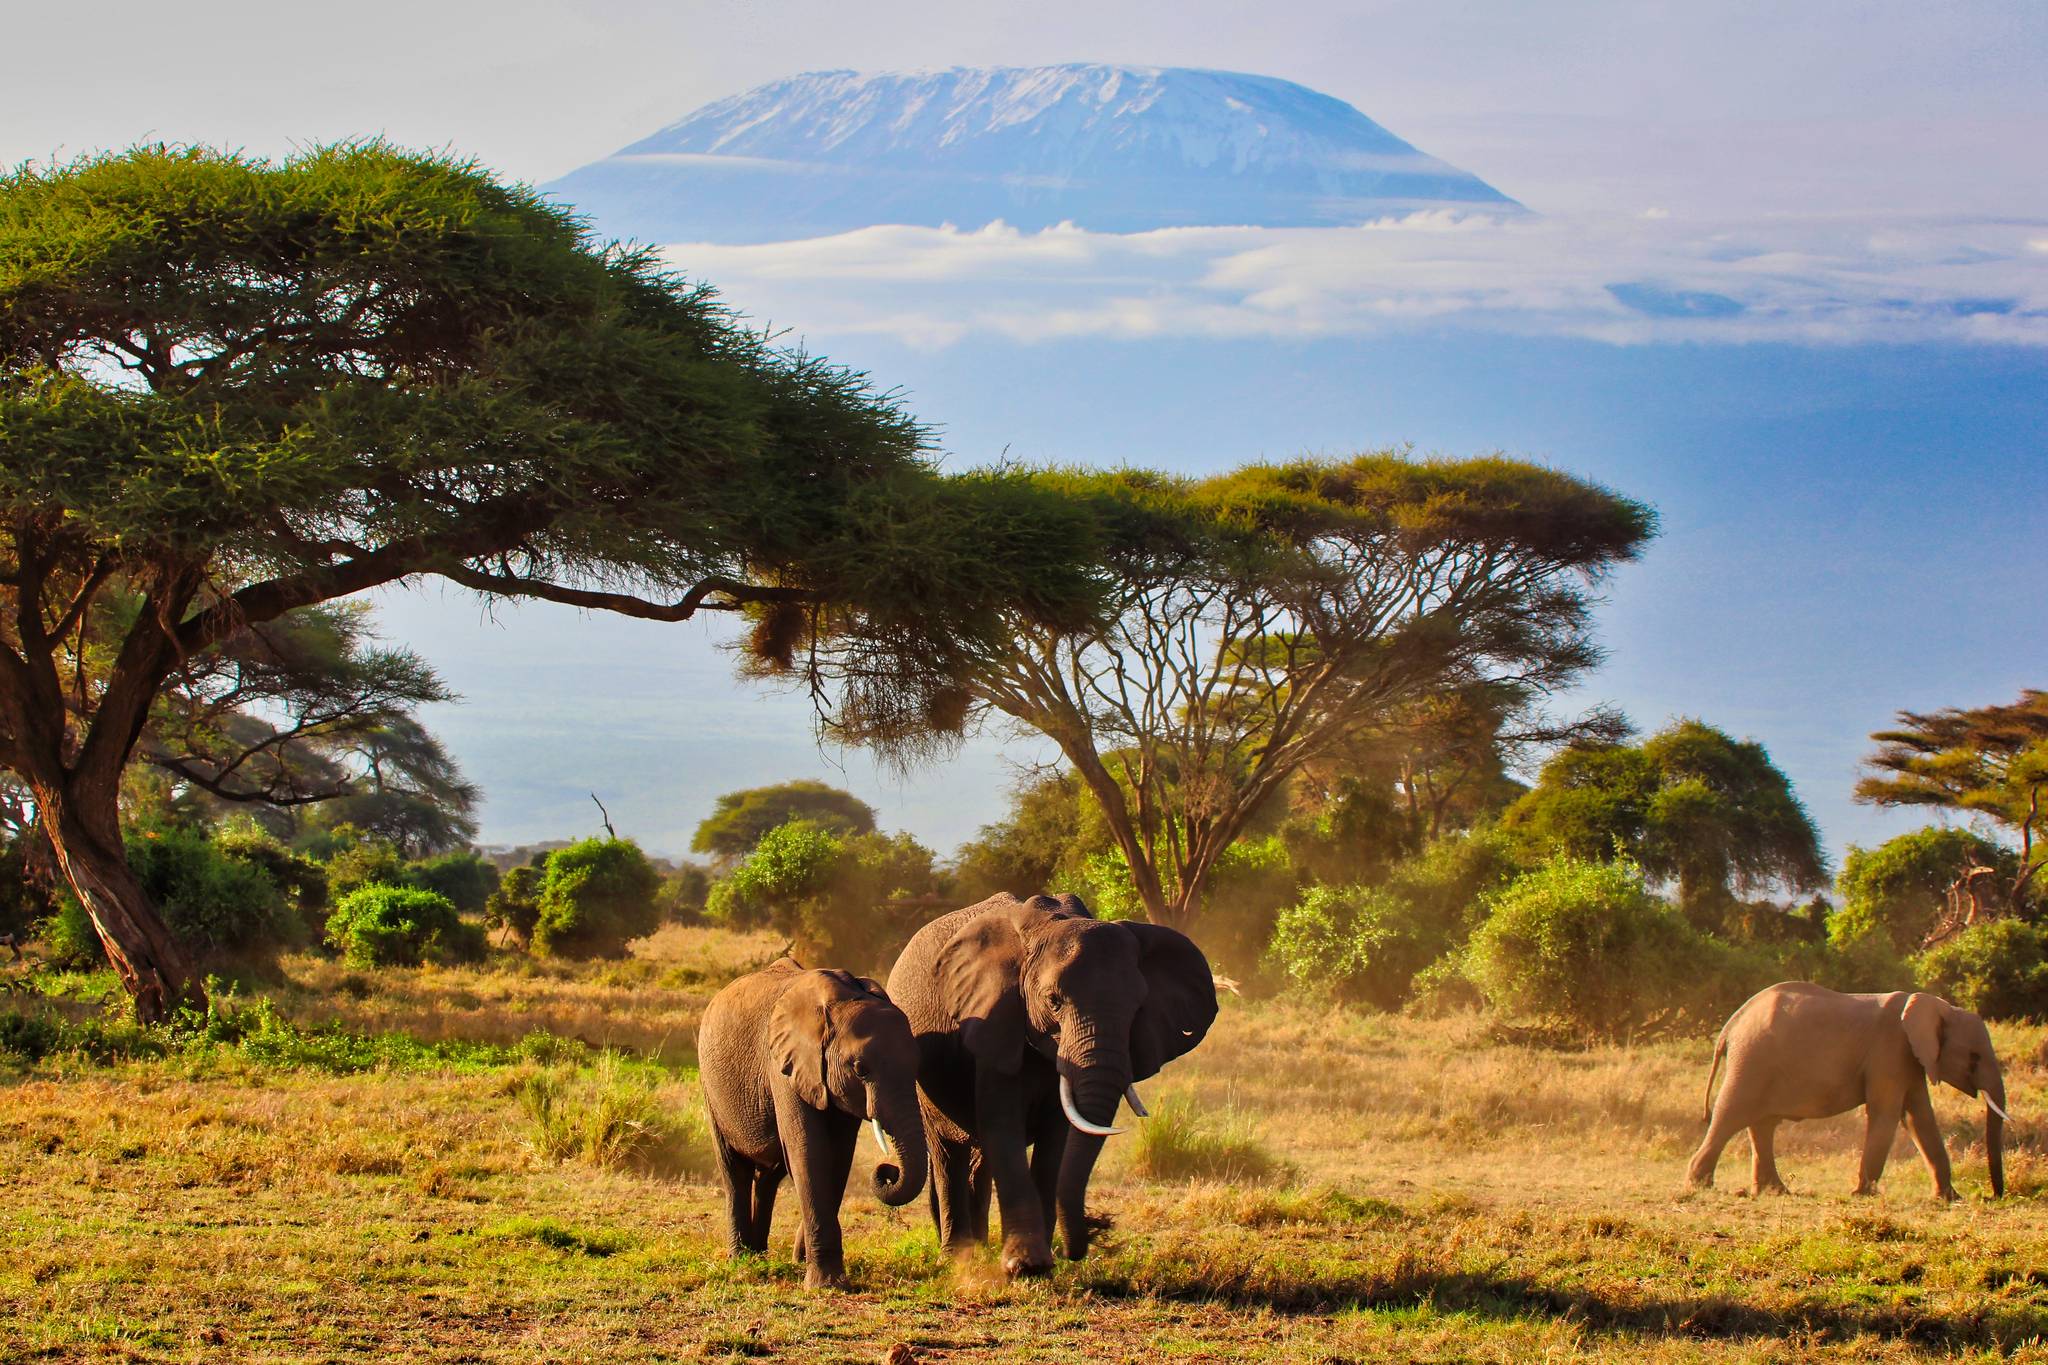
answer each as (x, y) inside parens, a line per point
(515, 905)
(363, 862)
(69, 938)
(683, 894)
(831, 896)
(378, 926)
(463, 877)
(1900, 888)
(1999, 968)
(1179, 1142)
(594, 897)
(1247, 890)
(301, 881)
(216, 905)
(1587, 944)
(1361, 943)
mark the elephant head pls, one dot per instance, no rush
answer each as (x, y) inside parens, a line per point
(844, 1046)
(1107, 1003)
(1952, 1045)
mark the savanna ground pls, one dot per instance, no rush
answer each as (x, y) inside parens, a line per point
(407, 1164)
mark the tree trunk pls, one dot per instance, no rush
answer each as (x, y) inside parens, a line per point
(84, 829)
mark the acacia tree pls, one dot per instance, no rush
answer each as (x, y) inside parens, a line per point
(1262, 617)
(1690, 803)
(1988, 760)
(230, 389)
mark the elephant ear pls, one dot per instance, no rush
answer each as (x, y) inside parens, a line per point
(798, 1031)
(1925, 1019)
(1180, 997)
(978, 984)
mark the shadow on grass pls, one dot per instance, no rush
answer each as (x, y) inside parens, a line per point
(1413, 1281)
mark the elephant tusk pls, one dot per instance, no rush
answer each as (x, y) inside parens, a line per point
(881, 1139)
(1992, 1105)
(1074, 1115)
(1137, 1105)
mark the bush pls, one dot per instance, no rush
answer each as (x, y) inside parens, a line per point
(1358, 943)
(515, 905)
(594, 897)
(363, 862)
(301, 881)
(1900, 888)
(380, 926)
(464, 877)
(1247, 890)
(215, 904)
(69, 937)
(831, 897)
(1587, 944)
(1999, 968)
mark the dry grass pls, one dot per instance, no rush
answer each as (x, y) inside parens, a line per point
(1446, 1196)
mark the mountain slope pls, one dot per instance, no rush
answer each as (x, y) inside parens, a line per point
(1115, 149)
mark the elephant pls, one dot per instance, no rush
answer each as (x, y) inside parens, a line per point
(1033, 1018)
(1801, 1051)
(791, 1062)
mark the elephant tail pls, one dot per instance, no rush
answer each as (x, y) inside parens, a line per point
(1720, 1051)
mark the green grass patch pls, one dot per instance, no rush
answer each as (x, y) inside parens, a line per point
(558, 1237)
(609, 1116)
(1180, 1142)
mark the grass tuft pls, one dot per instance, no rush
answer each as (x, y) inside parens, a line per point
(611, 1116)
(1179, 1142)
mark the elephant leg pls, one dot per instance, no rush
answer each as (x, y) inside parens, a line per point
(737, 1175)
(1720, 1130)
(1763, 1136)
(1880, 1130)
(819, 1152)
(1046, 1153)
(951, 1207)
(762, 1207)
(1926, 1130)
(1027, 1245)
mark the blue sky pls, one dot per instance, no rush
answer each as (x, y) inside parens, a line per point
(1850, 464)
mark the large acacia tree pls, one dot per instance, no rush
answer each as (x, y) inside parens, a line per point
(230, 389)
(1988, 761)
(1264, 618)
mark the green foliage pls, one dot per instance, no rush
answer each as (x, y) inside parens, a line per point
(1999, 968)
(465, 877)
(833, 898)
(216, 904)
(683, 894)
(740, 818)
(364, 862)
(69, 939)
(23, 900)
(515, 905)
(1249, 886)
(301, 881)
(378, 926)
(1689, 804)
(1039, 845)
(1587, 944)
(1899, 889)
(1355, 943)
(594, 897)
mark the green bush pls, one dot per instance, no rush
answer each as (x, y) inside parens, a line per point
(1246, 892)
(515, 905)
(1999, 968)
(1900, 888)
(216, 905)
(69, 938)
(301, 881)
(832, 897)
(1587, 944)
(594, 897)
(363, 862)
(379, 926)
(1358, 943)
(464, 877)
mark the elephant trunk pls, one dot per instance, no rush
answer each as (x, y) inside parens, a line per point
(1994, 1133)
(1095, 1091)
(901, 1180)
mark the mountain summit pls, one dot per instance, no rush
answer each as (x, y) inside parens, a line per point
(1111, 148)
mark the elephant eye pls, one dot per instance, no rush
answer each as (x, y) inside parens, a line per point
(1052, 1000)
(860, 1070)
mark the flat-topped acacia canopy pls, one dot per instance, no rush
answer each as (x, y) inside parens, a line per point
(235, 388)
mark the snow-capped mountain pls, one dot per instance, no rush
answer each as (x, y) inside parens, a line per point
(1112, 148)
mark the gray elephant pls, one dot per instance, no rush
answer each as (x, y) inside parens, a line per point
(1033, 1019)
(792, 1061)
(1801, 1051)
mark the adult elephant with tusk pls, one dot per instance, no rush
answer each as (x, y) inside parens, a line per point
(1033, 1018)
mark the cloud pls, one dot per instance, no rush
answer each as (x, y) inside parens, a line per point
(1623, 279)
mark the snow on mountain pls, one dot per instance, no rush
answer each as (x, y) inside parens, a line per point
(1110, 148)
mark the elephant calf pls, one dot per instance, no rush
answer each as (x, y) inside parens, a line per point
(792, 1061)
(1801, 1051)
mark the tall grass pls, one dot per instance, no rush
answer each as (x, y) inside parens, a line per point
(1181, 1142)
(612, 1116)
